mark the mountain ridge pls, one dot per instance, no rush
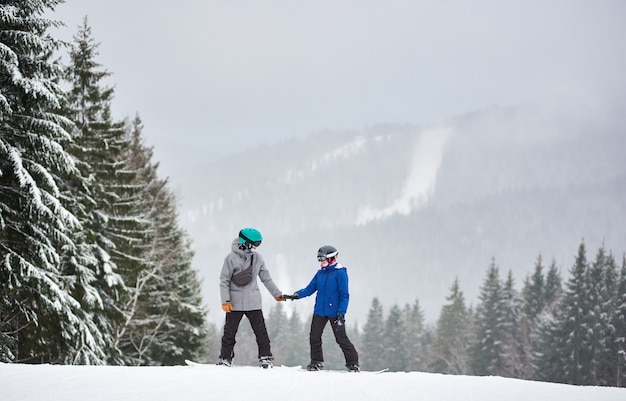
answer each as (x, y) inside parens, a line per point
(507, 185)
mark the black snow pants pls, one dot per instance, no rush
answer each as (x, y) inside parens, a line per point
(232, 325)
(315, 338)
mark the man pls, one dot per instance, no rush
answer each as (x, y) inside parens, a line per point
(331, 303)
(240, 295)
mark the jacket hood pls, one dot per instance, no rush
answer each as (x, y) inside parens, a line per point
(235, 247)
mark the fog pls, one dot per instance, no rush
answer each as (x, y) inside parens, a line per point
(216, 78)
(422, 139)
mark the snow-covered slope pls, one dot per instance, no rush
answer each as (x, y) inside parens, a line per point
(420, 182)
(108, 383)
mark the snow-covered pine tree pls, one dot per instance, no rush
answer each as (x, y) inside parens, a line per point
(614, 333)
(130, 230)
(372, 353)
(545, 360)
(96, 149)
(618, 346)
(517, 344)
(602, 281)
(532, 308)
(168, 322)
(450, 349)
(563, 356)
(38, 317)
(488, 354)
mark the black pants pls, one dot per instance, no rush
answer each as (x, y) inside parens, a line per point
(315, 338)
(232, 325)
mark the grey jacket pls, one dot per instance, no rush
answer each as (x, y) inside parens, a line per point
(248, 297)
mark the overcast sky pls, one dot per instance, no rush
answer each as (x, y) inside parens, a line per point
(217, 77)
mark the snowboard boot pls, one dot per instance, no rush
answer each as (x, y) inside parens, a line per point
(353, 368)
(315, 365)
(225, 362)
(266, 362)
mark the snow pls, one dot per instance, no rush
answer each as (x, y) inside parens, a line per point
(20, 382)
(421, 180)
(344, 152)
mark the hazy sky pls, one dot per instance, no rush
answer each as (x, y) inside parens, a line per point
(222, 76)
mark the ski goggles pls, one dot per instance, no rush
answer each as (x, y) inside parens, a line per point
(321, 258)
(247, 240)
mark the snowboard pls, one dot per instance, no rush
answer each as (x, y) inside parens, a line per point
(298, 367)
(192, 363)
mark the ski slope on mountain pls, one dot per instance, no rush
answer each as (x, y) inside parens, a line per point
(420, 182)
(107, 383)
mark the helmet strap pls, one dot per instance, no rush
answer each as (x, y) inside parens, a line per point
(246, 239)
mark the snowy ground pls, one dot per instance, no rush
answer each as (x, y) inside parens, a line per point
(92, 383)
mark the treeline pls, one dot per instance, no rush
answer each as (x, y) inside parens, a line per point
(94, 267)
(572, 332)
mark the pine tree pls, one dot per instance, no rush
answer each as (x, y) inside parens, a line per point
(602, 279)
(295, 349)
(533, 292)
(394, 340)
(564, 355)
(39, 318)
(553, 288)
(534, 308)
(545, 360)
(517, 343)
(452, 338)
(415, 347)
(488, 355)
(132, 234)
(372, 353)
(96, 148)
(277, 321)
(167, 323)
(618, 345)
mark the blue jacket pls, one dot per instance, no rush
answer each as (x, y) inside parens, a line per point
(331, 284)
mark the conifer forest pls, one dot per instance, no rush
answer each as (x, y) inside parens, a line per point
(95, 268)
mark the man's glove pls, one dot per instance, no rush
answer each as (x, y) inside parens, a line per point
(227, 307)
(341, 320)
(281, 297)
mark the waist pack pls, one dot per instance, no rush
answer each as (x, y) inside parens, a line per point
(243, 277)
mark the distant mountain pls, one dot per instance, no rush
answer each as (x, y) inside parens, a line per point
(410, 208)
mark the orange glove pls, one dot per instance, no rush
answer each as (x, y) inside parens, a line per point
(281, 297)
(227, 307)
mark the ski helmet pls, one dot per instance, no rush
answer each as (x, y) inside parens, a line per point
(249, 237)
(326, 252)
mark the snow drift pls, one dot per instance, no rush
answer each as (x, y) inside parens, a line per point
(94, 383)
